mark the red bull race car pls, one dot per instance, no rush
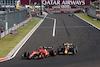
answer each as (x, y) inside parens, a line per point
(67, 48)
(40, 54)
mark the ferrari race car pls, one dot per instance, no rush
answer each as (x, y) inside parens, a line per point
(67, 48)
(40, 54)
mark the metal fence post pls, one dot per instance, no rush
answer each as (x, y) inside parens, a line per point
(40, 8)
(6, 23)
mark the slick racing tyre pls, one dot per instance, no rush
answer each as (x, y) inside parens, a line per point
(26, 55)
(36, 57)
(58, 51)
(43, 56)
(53, 53)
(74, 52)
(76, 49)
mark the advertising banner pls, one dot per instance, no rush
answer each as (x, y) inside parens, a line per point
(58, 2)
(65, 2)
(98, 13)
(24, 2)
(35, 0)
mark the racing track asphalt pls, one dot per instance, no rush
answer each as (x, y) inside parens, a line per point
(68, 29)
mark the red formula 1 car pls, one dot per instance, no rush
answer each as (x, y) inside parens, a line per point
(40, 54)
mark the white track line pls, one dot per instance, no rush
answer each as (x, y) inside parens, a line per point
(54, 27)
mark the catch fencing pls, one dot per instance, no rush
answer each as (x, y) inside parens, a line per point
(11, 21)
(3, 34)
(12, 18)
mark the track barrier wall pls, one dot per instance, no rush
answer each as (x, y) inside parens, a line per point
(3, 34)
(91, 11)
(12, 18)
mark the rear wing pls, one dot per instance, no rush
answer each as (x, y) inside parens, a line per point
(47, 47)
(65, 44)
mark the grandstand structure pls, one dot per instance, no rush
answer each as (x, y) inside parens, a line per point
(9, 5)
(8, 2)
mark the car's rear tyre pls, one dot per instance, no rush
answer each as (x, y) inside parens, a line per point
(74, 52)
(76, 49)
(58, 51)
(53, 53)
(26, 55)
(43, 55)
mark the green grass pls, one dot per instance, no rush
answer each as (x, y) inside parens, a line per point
(11, 40)
(89, 19)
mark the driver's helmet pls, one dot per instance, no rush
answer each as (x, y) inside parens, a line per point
(68, 45)
(71, 44)
(45, 49)
(41, 47)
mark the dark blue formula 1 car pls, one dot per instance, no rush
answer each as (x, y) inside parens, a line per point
(67, 48)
